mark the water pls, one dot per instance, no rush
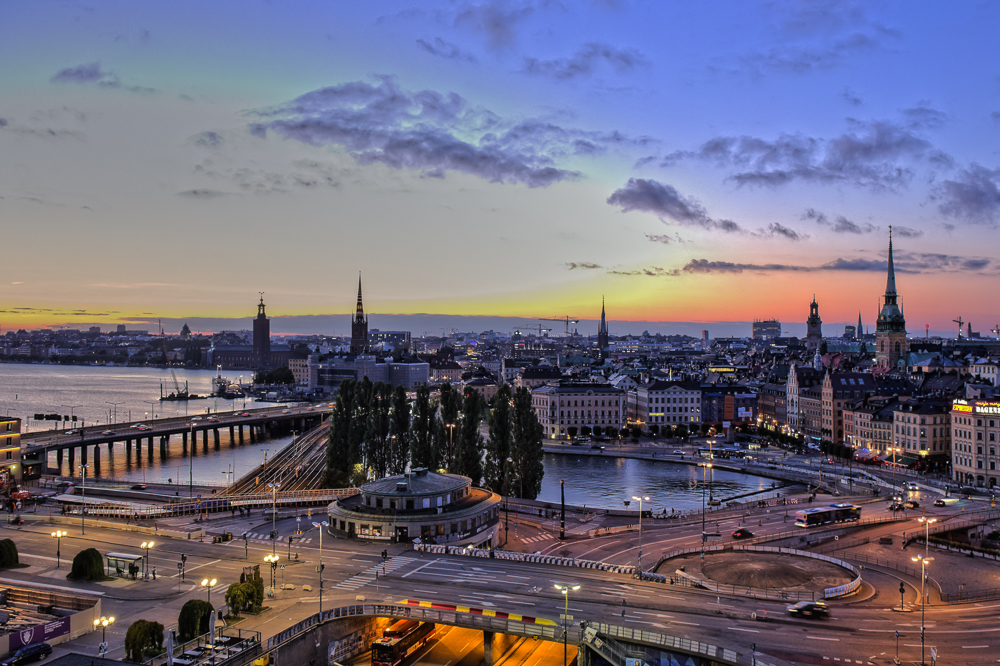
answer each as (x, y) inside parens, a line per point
(601, 482)
(88, 392)
(25, 390)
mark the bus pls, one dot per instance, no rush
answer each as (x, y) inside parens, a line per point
(842, 512)
(407, 637)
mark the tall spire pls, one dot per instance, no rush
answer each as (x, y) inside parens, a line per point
(360, 312)
(890, 285)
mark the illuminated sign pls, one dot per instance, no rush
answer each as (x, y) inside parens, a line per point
(962, 408)
(978, 407)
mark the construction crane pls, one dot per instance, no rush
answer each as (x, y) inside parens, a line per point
(959, 322)
(532, 328)
(995, 330)
(565, 320)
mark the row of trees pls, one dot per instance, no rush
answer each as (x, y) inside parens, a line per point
(376, 431)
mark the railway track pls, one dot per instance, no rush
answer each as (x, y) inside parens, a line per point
(299, 466)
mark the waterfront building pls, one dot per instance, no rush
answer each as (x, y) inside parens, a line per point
(261, 337)
(538, 375)
(560, 406)
(259, 355)
(728, 403)
(667, 403)
(799, 379)
(891, 345)
(975, 438)
(427, 506)
(327, 373)
(11, 470)
(390, 341)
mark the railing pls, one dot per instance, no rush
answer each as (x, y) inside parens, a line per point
(498, 554)
(971, 595)
(666, 641)
(129, 510)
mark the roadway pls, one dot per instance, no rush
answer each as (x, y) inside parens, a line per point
(860, 630)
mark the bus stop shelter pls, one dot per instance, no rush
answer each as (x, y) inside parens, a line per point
(117, 563)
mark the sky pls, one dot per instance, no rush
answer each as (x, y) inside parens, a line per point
(685, 161)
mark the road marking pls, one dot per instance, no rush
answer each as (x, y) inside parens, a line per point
(426, 591)
(821, 638)
(407, 575)
(187, 570)
(690, 624)
(521, 577)
(974, 647)
(752, 631)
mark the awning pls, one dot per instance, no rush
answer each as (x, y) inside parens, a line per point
(908, 462)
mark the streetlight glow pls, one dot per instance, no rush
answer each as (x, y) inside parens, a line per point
(58, 535)
(640, 499)
(565, 590)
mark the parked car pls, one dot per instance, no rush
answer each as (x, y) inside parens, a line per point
(742, 533)
(29, 653)
(809, 609)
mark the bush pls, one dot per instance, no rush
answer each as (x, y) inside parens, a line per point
(87, 565)
(8, 554)
(143, 637)
(246, 595)
(193, 619)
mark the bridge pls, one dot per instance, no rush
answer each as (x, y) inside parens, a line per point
(243, 425)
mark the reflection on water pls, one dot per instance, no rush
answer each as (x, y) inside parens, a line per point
(602, 482)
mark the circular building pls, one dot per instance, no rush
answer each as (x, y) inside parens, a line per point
(430, 506)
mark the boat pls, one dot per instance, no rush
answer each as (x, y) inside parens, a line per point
(180, 394)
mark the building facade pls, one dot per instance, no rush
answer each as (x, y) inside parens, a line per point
(890, 330)
(814, 326)
(766, 329)
(560, 406)
(666, 403)
(975, 438)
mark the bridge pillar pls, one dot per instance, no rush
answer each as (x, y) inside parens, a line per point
(253, 433)
(204, 440)
(215, 436)
(232, 436)
(138, 447)
(72, 462)
(128, 448)
(149, 448)
(111, 444)
(97, 456)
(59, 460)
(83, 455)
(164, 442)
(495, 646)
(241, 435)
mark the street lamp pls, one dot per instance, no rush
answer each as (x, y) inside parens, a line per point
(208, 584)
(322, 527)
(274, 514)
(146, 545)
(115, 404)
(703, 466)
(273, 561)
(71, 414)
(927, 530)
(83, 498)
(103, 623)
(58, 535)
(565, 589)
(924, 561)
(640, 499)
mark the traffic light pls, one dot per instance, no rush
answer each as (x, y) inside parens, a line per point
(289, 540)
(385, 555)
(184, 558)
(274, 534)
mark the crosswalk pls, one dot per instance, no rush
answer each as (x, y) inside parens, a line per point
(254, 536)
(540, 537)
(368, 575)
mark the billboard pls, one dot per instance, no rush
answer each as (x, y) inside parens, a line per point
(39, 633)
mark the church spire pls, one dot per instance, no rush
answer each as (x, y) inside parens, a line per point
(890, 285)
(359, 327)
(359, 315)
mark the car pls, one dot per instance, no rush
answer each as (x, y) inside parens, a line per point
(196, 418)
(138, 486)
(212, 419)
(286, 411)
(911, 504)
(678, 452)
(897, 506)
(143, 426)
(809, 609)
(939, 502)
(742, 533)
(107, 432)
(29, 653)
(309, 409)
(245, 414)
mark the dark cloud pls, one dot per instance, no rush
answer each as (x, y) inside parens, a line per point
(775, 229)
(851, 97)
(202, 194)
(666, 202)
(995, 116)
(873, 156)
(443, 49)
(429, 131)
(665, 239)
(93, 73)
(586, 265)
(974, 195)
(906, 232)
(3, 122)
(922, 117)
(840, 224)
(208, 139)
(498, 20)
(584, 62)
(653, 271)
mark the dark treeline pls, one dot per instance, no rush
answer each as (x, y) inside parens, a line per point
(375, 431)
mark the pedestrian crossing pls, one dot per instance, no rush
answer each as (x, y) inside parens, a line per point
(368, 575)
(540, 537)
(266, 538)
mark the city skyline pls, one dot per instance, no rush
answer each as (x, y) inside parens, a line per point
(693, 164)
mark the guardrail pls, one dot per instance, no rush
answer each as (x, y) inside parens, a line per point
(129, 510)
(511, 556)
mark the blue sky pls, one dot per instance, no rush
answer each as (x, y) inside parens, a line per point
(696, 162)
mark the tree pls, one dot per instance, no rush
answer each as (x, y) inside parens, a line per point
(571, 431)
(449, 414)
(498, 446)
(399, 433)
(705, 428)
(654, 430)
(143, 637)
(635, 432)
(341, 458)
(527, 446)
(193, 619)
(469, 447)
(282, 375)
(87, 565)
(681, 431)
(8, 554)
(422, 452)
(623, 433)
(377, 449)
(236, 598)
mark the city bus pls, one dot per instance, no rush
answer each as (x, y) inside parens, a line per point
(407, 636)
(842, 512)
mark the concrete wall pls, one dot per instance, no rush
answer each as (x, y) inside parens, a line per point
(337, 641)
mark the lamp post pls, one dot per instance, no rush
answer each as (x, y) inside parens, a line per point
(58, 535)
(704, 467)
(83, 498)
(893, 450)
(322, 528)
(103, 622)
(71, 414)
(146, 545)
(927, 530)
(565, 589)
(115, 404)
(274, 514)
(924, 561)
(640, 498)
(273, 561)
(208, 584)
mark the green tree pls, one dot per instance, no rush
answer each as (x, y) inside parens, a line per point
(8, 554)
(360, 407)
(422, 452)
(87, 565)
(654, 430)
(237, 598)
(193, 619)
(470, 445)
(681, 431)
(341, 458)
(498, 446)
(377, 448)
(448, 415)
(143, 637)
(586, 431)
(527, 446)
(571, 431)
(399, 432)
